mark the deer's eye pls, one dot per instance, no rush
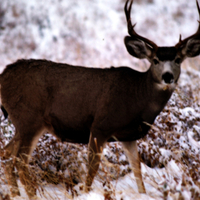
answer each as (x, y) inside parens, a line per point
(178, 61)
(155, 61)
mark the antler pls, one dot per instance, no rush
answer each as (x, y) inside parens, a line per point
(196, 35)
(131, 30)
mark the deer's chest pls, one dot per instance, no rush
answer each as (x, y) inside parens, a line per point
(135, 130)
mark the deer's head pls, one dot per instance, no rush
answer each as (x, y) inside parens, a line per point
(165, 61)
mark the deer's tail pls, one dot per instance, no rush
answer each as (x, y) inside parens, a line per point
(5, 113)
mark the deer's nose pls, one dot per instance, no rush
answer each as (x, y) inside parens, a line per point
(168, 77)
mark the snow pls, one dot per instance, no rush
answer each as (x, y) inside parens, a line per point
(79, 31)
(90, 33)
(195, 145)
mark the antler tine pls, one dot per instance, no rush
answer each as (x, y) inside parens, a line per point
(197, 34)
(198, 8)
(128, 16)
(131, 30)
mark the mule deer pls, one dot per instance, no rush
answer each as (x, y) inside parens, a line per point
(87, 105)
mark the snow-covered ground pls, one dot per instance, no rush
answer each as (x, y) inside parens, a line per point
(90, 33)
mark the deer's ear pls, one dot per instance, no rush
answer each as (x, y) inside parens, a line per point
(137, 48)
(192, 48)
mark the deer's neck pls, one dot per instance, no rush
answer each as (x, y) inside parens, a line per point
(155, 97)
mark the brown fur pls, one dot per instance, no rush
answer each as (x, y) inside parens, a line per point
(76, 104)
(87, 105)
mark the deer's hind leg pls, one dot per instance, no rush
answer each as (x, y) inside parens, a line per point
(9, 155)
(27, 144)
(20, 149)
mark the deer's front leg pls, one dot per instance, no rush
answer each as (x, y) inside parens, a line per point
(95, 148)
(133, 157)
